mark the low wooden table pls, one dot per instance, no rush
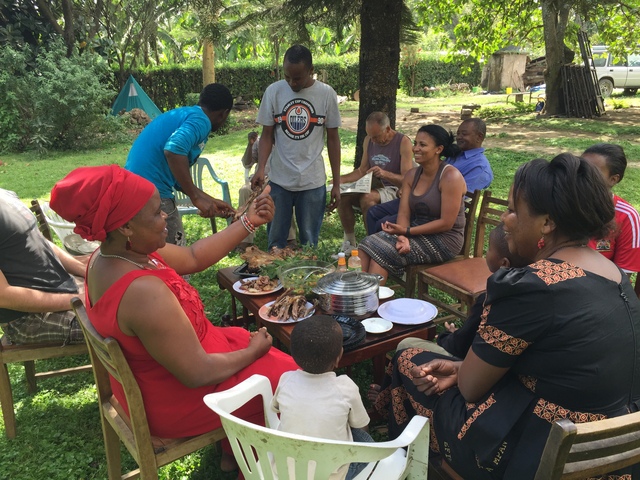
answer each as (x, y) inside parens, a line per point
(374, 346)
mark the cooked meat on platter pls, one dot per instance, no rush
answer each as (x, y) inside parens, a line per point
(256, 258)
(289, 306)
(259, 285)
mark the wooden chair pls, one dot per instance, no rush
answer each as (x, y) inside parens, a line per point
(465, 280)
(412, 271)
(185, 207)
(28, 354)
(41, 218)
(587, 450)
(148, 451)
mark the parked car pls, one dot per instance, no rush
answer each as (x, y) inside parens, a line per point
(616, 72)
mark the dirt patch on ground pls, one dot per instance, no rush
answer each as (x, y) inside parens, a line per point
(510, 136)
(535, 137)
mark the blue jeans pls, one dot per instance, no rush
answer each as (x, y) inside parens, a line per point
(309, 206)
(378, 214)
(359, 435)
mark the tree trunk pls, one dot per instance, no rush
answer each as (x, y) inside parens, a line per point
(208, 58)
(554, 19)
(379, 60)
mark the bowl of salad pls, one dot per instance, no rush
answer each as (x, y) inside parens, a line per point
(303, 275)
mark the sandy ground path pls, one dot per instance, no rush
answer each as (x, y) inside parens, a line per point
(510, 136)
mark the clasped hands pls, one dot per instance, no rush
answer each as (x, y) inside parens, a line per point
(435, 376)
(402, 244)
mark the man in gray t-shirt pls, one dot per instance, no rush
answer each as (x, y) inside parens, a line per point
(296, 112)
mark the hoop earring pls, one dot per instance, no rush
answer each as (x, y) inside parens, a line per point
(127, 245)
(541, 243)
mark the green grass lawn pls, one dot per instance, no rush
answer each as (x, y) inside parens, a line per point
(59, 434)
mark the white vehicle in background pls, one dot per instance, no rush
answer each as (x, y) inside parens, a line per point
(616, 72)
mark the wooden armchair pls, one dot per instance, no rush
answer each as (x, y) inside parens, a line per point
(412, 271)
(28, 354)
(588, 450)
(466, 279)
(149, 452)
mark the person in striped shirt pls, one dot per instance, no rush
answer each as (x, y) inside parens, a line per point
(622, 247)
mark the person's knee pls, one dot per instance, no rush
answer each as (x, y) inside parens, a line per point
(368, 200)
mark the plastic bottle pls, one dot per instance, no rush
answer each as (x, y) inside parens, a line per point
(342, 262)
(354, 261)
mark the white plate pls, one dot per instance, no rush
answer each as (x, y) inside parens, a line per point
(236, 287)
(78, 244)
(408, 311)
(377, 325)
(385, 292)
(263, 314)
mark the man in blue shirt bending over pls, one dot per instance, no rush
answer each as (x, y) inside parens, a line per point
(167, 147)
(471, 162)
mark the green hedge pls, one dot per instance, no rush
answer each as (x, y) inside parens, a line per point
(169, 86)
(431, 72)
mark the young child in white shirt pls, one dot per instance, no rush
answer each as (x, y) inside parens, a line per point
(315, 401)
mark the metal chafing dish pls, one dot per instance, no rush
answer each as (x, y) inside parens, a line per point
(354, 294)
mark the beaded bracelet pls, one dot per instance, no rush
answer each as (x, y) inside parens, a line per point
(246, 223)
(249, 222)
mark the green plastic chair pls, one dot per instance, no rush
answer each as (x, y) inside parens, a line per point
(185, 207)
(262, 452)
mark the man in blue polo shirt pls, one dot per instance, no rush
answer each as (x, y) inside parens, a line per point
(471, 162)
(167, 147)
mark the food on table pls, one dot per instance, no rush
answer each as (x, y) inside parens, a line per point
(289, 306)
(258, 285)
(257, 259)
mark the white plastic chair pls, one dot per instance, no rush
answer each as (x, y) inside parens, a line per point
(185, 207)
(263, 452)
(72, 242)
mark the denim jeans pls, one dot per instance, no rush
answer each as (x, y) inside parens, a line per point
(359, 435)
(174, 222)
(309, 207)
(378, 214)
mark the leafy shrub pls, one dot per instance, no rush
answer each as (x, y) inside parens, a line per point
(52, 100)
(518, 108)
(430, 70)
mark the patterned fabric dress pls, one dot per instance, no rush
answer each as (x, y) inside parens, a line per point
(174, 410)
(569, 340)
(433, 248)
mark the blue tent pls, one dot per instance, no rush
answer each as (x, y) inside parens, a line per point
(133, 96)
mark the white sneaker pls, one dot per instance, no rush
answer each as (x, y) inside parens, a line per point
(346, 248)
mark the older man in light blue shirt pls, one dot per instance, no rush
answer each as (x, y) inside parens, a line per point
(471, 162)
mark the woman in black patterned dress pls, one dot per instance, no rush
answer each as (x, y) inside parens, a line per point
(558, 338)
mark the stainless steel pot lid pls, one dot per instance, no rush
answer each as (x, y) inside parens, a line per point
(348, 283)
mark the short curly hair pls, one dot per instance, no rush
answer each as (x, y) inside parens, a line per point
(216, 96)
(316, 343)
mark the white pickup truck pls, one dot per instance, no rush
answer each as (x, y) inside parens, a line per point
(616, 72)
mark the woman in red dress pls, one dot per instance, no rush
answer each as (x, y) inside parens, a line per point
(135, 293)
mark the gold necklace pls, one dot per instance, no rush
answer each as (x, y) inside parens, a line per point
(139, 265)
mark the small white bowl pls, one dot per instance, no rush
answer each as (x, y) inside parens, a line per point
(377, 325)
(385, 292)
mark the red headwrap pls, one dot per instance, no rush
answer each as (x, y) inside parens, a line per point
(100, 199)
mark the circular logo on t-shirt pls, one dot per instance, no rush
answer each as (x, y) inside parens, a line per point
(298, 119)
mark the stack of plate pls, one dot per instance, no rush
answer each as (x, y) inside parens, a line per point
(408, 311)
